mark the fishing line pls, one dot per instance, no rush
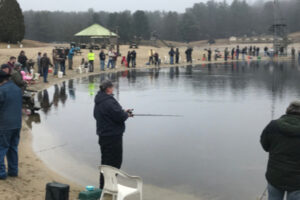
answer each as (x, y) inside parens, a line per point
(52, 148)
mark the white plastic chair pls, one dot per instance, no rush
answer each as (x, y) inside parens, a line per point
(118, 191)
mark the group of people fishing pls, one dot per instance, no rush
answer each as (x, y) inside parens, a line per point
(235, 53)
(108, 60)
(280, 138)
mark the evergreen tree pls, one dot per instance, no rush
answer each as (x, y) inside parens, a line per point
(141, 24)
(12, 27)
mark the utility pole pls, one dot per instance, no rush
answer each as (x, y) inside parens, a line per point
(279, 29)
(118, 45)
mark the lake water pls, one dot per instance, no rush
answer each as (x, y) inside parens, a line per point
(212, 152)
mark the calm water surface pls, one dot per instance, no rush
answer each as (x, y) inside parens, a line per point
(213, 151)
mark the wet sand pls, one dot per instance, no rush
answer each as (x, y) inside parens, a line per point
(34, 174)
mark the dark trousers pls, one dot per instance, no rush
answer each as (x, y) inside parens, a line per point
(111, 153)
(40, 70)
(91, 66)
(70, 63)
(128, 62)
(45, 74)
(63, 68)
(133, 61)
(177, 59)
(9, 141)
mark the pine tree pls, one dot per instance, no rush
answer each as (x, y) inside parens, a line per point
(12, 28)
(141, 24)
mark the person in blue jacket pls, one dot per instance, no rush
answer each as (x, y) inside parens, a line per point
(70, 58)
(10, 125)
(110, 118)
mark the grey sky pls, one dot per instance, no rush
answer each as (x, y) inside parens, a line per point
(109, 5)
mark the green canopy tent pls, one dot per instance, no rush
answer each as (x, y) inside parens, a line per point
(97, 33)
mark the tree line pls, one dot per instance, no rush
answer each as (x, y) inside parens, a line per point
(203, 21)
(12, 27)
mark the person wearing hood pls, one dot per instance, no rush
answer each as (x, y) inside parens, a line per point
(110, 118)
(281, 139)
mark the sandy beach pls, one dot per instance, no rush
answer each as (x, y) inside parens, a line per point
(34, 174)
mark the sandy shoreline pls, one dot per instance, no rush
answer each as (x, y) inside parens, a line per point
(34, 174)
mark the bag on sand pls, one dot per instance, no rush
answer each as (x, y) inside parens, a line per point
(57, 191)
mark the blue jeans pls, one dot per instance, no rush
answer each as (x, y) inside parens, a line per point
(45, 74)
(171, 60)
(63, 68)
(133, 61)
(9, 141)
(55, 68)
(110, 62)
(277, 194)
(102, 64)
(113, 65)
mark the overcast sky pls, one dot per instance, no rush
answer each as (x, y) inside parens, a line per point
(109, 5)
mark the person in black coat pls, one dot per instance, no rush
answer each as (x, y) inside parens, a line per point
(232, 53)
(110, 119)
(171, 54)
(177, 54)
(133, 58)
(128, 59)
(209, 52)
(23, 60)
(281, 139)
(102, 57)
(45, 63)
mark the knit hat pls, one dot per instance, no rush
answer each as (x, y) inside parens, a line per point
(106, 84)
(5, 66)
(294, 108)
(17, 64)
(4, 75)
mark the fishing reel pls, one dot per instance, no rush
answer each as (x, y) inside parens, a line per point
(130, 112)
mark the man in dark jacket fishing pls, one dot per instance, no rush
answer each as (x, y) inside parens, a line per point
(281, 139)
(110, 119)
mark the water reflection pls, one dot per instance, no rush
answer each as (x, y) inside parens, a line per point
(45, 102)
(72, 89)
(274, 76)
(271, 75)
(213, 151)
(34, 118)
(56, 96)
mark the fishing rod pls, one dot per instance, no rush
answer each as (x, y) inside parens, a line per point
(150, 115)
(155, 115)
(264, 194)
(52, 148)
